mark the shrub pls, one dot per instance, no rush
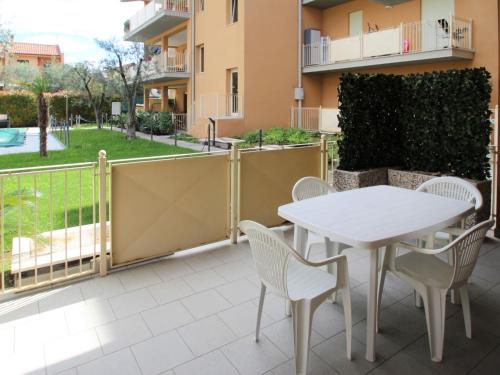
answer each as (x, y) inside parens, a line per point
(20, 106)
(431, 122)
(160, 123)
(277, 136)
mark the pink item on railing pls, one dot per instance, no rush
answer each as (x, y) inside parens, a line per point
(406, 46)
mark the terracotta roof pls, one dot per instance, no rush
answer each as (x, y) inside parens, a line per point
(35, 49)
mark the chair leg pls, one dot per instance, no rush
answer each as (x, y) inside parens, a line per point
(454, 296)
(259, 312)
(302, 319)
(346, 300)
(435, 311)
(464, 298)
(332, 249)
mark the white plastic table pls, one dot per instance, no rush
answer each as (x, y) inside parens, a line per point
(371, 218)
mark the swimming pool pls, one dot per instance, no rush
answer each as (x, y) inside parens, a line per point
(12, 137)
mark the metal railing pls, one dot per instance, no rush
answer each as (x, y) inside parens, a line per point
(220, 106)
(307, 118)
(180, 121)
(151, 9)
(48, 225)
(406, 38)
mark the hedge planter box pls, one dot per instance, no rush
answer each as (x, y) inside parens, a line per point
(412, 180)
(347, 180)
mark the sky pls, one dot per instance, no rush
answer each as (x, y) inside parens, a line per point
(73, 24)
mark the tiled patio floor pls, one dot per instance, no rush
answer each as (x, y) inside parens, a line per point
(195, 314)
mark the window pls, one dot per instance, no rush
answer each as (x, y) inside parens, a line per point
(233, 92)
(23, 61)
(201, 54)
(202, 5)
(356, 23)
(233, 11)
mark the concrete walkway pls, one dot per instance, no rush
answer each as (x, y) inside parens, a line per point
(166, 139)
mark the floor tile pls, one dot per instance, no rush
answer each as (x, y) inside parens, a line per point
(60, 298)
(253, 358)
(72, 351)
(206, 335)
(102, 287)
(88, 314)
(242, 319)
(167, 317)
(281, 335)
(51, 326)
(234, 270)
(214, 363)
(27, 361)
(118, 363)
(205, 303)
(204, 280)
(172, 268)
(161, 353)
(18, 311)
(202, 261)
(138, 277)
(239, 291)
(170, 291)
(7, 341)
(122, 333)
(316, 366)
(131, 303)
(488, 365)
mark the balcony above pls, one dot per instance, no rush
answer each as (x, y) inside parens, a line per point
(323, 4)
(412, 43)
(155, 18)
(166, 67)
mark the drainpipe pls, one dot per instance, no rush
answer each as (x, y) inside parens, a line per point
(193, 61)
(299, 61)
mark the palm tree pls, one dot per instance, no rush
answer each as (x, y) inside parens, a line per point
(39, 87)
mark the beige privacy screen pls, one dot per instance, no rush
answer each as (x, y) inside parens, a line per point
(164, 206)
(267, 179)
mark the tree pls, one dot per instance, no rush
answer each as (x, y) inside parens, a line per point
(5, 43)
(39, 87)
(127, 60)
(95, 85)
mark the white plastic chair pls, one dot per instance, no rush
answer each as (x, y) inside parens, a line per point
(432, 278)
(454, 188)
(287, 274)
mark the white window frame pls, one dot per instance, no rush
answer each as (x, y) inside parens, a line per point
(233, 11)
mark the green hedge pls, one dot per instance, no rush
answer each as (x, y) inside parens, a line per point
(431, 122)
(20, 106)
(369, 119)
(160, 122)
(446, 122)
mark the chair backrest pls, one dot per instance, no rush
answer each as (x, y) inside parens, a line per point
(455, 188)
(310, 187)
(271, 256)
(465, 250)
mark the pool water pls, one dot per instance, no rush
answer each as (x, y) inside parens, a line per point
(12, 137)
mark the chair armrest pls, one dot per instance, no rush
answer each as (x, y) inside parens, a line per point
(324, 262)
(402, 245)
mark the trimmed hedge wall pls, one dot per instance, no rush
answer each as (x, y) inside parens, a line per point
(370, 136)
(20, 106)
(430, 122)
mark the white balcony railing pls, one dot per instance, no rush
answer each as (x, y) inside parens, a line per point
(406, 38)
(165, 62)
(152, 9)
(220, 106)
(315, 119)
(180, 121)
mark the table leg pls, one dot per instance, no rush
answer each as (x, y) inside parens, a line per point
(372, 306)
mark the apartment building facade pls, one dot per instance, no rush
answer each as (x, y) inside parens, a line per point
(226, 60)
(34, 54)
(251, 64)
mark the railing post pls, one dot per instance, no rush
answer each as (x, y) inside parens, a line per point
(450, 31)
(235, 192)
(324, 158)
(103, 263)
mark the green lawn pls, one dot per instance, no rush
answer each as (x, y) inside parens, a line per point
(85, 145)
(70, 199)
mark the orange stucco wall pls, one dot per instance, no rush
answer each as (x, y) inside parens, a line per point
(334, 22)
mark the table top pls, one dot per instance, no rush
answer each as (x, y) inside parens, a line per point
(376, 216)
